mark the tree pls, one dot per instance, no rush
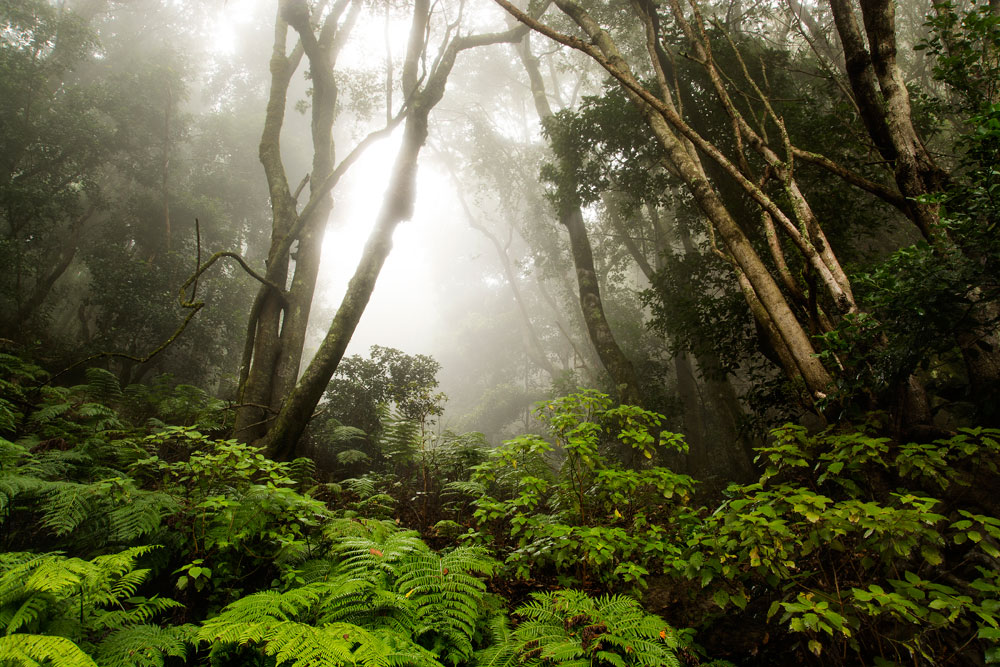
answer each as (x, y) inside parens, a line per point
(570, 214)
(422, 95)
(278, 318)
(360, 387)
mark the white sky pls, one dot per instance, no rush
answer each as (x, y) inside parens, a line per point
(404, 308)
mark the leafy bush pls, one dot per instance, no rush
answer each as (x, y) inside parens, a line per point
(862, 546)
(589, 518)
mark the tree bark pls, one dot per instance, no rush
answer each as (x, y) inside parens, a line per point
(282, 437)
(888, 120)
(278, 321)
(618, 366)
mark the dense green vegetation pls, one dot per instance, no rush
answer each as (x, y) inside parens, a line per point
(130, 542)
(727, 392)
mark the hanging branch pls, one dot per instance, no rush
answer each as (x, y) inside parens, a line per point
(189, 304)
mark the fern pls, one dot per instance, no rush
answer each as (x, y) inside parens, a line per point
(502, 650)
(379, 550)
(143, 611)
(49, 412)
(102, 386)
(571, 628)
(34, 650)
(68, 505)
(145, 646)
(446, 592)
(140, 515)
(14, 485)
(400, 438)
(303, 471)
(349, 457)
(9, 416)
(99, 417)
(270, 620)
(368, 604)
(59, 595)
(110, 510)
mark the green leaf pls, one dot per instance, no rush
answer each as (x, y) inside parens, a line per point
(721, 598)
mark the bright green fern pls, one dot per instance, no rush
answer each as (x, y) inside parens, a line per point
(572, 629)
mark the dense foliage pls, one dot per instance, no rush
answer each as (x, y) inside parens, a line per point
(134, 544)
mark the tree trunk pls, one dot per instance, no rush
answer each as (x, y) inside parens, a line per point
(278, 321)
(888, 120)
(282, 437)
(610, 353)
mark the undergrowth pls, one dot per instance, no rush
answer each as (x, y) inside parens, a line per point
(127, 541)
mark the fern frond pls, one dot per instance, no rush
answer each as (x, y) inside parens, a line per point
(570, 628)
(34, 650)
(99, 416)
(145, 646)
(14, 485)
(302, 470)
(502, 651)
(301, 645)
(24, 615)
(400, 438)
(47, 413)
(142, 515)
(53, 574)
(102, 385)
(366, 604)
(363, 487)
(447, 595)
(10, 453)
(70, 504)
(467, 488)
(259, 611)
(379, 550)
(348, 457)
(143, 611)
(342, 434)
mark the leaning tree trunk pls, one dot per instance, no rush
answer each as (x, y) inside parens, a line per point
(663, 119)
(282, 437)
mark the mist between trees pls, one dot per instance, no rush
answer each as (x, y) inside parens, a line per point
(288, 285)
